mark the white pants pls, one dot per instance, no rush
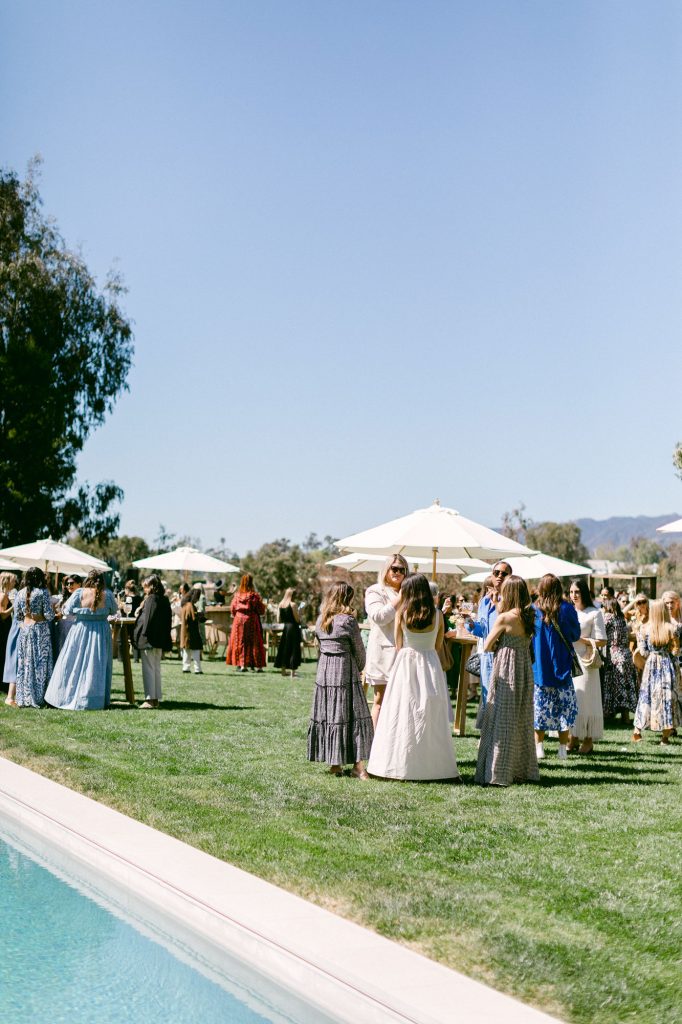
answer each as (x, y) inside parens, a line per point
(191, 656)
(151, 672)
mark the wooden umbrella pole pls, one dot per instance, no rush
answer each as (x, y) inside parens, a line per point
(433, 569)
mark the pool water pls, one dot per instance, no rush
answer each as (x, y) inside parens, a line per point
(66, 958)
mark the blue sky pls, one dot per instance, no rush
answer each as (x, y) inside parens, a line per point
(377, 252)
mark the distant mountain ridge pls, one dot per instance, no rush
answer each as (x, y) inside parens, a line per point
(620, 530)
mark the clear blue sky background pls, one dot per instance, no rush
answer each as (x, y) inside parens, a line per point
(378, 251)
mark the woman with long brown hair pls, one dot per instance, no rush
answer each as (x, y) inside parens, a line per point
(34, 612)
(81, 680)
(506, 751)
(556, 629)
(413, 738)
(340, 730)
(246, 648)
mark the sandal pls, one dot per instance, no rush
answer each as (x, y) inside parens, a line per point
(636, 737)
(336, 769)
(362, 775)
(11, 703)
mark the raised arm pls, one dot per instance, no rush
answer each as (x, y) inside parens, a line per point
(380, 609)
(495, 633)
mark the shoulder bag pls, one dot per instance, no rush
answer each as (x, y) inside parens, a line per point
(576, 667)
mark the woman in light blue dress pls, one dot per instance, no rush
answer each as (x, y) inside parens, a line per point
(33, 612)
(81, 680)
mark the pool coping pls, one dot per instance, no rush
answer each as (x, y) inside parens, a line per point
(354, 973)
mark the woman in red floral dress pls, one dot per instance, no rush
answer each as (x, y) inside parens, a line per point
(246, 648)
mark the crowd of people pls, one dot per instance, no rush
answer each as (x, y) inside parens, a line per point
(548, 662)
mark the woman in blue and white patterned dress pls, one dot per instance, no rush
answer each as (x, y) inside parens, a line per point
(34, 612)
(658, 707)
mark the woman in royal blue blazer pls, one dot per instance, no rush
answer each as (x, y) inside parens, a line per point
(556, 629)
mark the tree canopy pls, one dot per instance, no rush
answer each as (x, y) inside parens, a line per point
(65, 352)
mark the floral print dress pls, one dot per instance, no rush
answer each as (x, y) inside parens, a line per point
(34, 647)
(658, 707)
(620, 676)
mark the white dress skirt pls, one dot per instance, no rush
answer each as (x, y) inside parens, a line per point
(590, 720)
(412, 739)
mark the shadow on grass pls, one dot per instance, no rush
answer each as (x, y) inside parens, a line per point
(184, 705)
(191, 705)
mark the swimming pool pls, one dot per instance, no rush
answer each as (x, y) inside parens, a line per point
(71, 952)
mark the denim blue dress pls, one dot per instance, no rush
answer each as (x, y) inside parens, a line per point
(81, 680)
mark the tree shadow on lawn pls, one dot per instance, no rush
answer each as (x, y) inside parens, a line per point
(595, 774)
(185, 705)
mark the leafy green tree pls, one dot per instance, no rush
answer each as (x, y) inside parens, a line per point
(515, 523)
(562, 540)
(677, 459)
(281, 564)
(670, 570)
(118, 552)
(65, 352)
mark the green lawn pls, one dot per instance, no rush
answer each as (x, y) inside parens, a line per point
(565, 894)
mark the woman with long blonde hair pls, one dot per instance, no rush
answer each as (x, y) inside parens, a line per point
(289, 649)
(381, 601)
(340, 730)
(658, 707)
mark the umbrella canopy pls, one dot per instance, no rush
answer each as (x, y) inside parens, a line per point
(438, 530)
(675, 527)
(53, 556)
(357, 562)
(185, 559)
(533, 567)
(7, 565)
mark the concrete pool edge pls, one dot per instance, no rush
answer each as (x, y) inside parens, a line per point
(328, 960)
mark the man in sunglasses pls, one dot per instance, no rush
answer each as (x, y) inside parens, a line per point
(485, 620)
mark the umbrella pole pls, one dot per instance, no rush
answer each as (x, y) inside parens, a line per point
(433, 569)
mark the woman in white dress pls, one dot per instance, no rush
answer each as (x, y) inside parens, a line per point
(589, 725)
(412, 740)
(381, 600)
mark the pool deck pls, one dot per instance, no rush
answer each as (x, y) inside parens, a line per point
(354, 973)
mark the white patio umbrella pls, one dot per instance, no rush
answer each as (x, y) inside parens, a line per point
(533, 567)
(358, 562)
(7, 565)
(674, 527)
(185, 559)
(436, 532)
(53, 556)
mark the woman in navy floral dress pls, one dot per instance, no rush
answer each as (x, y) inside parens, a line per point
(620, 675)
(658, 707)
(34, 612)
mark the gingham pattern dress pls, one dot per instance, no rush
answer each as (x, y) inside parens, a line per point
(507, 749)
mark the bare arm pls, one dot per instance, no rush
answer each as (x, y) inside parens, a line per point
(495, 633)
(440, 633)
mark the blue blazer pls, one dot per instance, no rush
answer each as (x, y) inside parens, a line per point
(553, 659)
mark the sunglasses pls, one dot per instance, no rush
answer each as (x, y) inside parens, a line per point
(398, 568)
(500, 572)
(641, 602)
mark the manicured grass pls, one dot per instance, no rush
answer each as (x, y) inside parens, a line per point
(566, 894)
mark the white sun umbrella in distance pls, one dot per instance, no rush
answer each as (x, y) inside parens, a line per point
(674, 527)
(185, 559)
(54, 556)
(436, 532)
(533, 567)
(359, 562)
(7, 565)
